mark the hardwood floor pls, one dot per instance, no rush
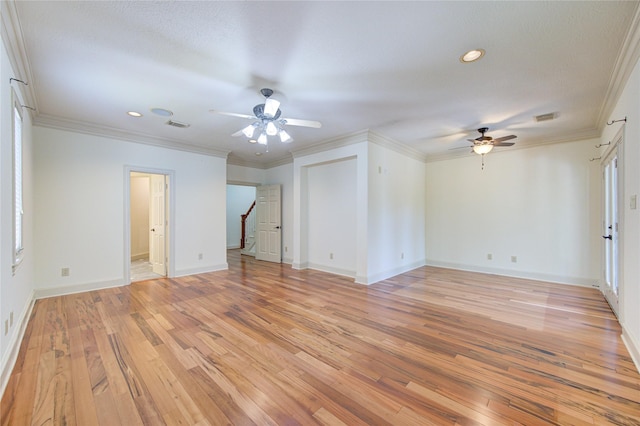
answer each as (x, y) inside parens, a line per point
(264, 344)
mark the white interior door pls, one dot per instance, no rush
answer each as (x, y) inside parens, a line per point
(610, 229)
(268, 223)
(158, 225)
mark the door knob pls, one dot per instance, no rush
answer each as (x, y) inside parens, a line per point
(609, 237)
(277, 227)
(153, 229)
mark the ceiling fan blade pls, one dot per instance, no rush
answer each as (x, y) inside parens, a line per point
(504, 144)
(459, 147)
(504, 138)
(232, 114)
(302, 123)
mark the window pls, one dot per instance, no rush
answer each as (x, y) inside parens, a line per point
(18, 211)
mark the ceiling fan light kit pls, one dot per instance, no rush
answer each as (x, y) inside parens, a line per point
(483, 148)
(483, 145)
(267, 121)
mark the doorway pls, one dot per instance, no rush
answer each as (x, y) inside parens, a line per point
(612, 192)
(148, 225)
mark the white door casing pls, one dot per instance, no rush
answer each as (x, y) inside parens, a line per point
(269, 223)
(157, 223)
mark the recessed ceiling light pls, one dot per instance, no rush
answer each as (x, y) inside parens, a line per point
(472, 55)
(134, 113)
(161, 111)
(253, 141)
(258, 154)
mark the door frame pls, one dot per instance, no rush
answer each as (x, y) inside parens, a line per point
(169, 213)
(615, 149)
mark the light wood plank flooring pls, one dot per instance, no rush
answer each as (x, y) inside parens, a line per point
(264, 344)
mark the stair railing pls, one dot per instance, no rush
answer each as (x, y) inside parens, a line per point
(243, 220)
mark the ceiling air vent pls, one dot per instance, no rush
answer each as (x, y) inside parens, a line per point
(546, 117)
(178, 124)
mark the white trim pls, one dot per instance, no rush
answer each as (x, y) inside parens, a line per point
(632, 346)
(557, 279)
(13, 347)
(201, 270)
(43, 293)
(331, 270)
(380, 276)
(625, 63)
(59, 123)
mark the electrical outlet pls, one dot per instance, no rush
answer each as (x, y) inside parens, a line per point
(489, 256)
(11, 319)
(6, 327)
(286, 249)
(64, 272)
(402, 255)
(199, 256)
(330, 255)
(514, 259)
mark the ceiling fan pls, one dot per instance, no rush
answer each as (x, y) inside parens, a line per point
(267, 121)
(484, 144)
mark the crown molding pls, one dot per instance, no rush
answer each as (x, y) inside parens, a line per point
(237, 161)
(14, 45)
(59, 123)
(333, 143)
(365, 135)
(625, 63)
(393, 145)
(582, 135)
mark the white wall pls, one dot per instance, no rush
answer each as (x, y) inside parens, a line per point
(239, 199)
(331, 189)
(356, 148)
(629, 106)
(16, 290)
(80, 191)
(396, 213)
(538, 204)
(387, 192)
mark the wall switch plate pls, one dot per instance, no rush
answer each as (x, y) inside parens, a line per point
(199, 256)
(633, 202)
(489, 256)
(330, 255)
(514, 259)
(11, 319)
(64, 272)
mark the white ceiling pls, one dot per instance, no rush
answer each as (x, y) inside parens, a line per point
(391, 67)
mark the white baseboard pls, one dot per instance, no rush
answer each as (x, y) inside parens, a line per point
(202, 270)
(331, 270)
(633, 346)
(383, 275)
(11, 355)
(42, 293)
(558, 279)
(233, 246)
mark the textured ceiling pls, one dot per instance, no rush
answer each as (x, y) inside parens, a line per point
(391, 67)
